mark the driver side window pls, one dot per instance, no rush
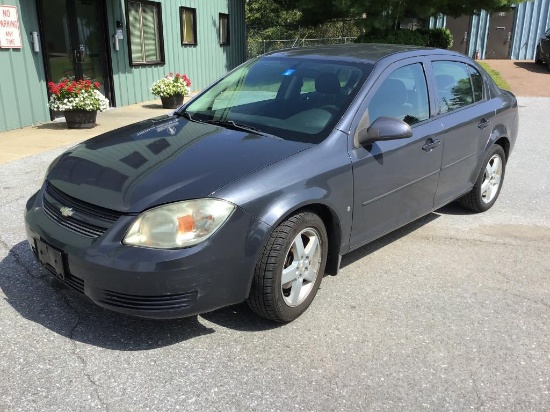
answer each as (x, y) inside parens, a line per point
(402, 95)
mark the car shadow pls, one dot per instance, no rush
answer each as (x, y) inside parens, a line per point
(40, 298)
(532, 66)
(454, 209)
(240, 317)
(386, 240)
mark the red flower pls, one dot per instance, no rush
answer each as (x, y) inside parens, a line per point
(177, 75)
(70, 89)
(88, 82)
(96, 84)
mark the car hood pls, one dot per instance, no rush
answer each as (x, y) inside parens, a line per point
(162, 160)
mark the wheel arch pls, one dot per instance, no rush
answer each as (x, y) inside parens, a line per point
(332, 223)
(498, 137)
(505, 144)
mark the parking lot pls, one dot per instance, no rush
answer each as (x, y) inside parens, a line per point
(451, 312)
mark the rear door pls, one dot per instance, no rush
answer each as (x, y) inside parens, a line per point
(466, 115)
(395, 181)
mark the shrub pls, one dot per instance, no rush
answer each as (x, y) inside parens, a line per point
(439, 38)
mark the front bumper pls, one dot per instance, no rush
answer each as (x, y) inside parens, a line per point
(153, 283)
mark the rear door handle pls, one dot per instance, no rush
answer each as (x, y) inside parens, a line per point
(483, 124)
(431, 144)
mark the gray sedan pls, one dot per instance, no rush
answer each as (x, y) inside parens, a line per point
(257, 187)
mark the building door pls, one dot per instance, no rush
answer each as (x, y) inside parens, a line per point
(499, 37)
(75, 44)
(460, 29)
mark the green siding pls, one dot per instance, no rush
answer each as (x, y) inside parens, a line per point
(23, 90)
(23, 97)
(203, 63)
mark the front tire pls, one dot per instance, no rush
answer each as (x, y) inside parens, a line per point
(489, 182)
(290, 269)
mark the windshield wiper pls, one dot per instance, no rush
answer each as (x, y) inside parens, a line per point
(230, 124)
(185, 115)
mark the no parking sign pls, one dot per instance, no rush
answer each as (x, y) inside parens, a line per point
(10, 34)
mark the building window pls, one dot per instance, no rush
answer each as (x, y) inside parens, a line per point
(145, 32)
(188, 22)
(224, 29)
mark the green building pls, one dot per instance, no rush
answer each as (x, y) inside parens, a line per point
(124, 44)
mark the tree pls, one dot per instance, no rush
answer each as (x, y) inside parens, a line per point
(272, 26)
(270, 18)
(313, 13)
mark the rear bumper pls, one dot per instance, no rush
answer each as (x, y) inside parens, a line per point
(153, 283)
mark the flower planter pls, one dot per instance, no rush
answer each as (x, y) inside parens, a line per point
(172, 102)
(80, 119)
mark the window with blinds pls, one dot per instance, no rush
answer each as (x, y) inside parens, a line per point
(145, 32)
(188, 20)
(224, 29)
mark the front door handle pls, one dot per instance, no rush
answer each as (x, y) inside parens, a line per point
(431, 144)
(483, 124)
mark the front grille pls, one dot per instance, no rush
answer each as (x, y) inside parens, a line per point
(150, 303)
(87, 220)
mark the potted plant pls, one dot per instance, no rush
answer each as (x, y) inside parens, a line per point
(171, 90)
(79, 101)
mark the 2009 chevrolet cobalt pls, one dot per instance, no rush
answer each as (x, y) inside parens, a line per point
(256, 188)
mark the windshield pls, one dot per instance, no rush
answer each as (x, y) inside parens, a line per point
(292, 98)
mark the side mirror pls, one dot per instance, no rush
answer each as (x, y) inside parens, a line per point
(384, 128)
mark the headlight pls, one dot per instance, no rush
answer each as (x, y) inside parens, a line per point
(179, 225)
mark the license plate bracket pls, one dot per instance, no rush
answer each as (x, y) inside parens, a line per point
(51, 258)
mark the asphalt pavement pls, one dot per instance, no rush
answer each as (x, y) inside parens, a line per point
(450, 313)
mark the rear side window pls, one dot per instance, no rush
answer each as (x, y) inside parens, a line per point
(477, 83)
(454, 86)
(402, 95)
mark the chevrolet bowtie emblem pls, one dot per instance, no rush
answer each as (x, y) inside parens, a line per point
(66, 211)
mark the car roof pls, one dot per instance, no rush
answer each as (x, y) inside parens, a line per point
(363, 52)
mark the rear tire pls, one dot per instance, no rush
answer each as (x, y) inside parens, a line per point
(489, 182)
(290, 269)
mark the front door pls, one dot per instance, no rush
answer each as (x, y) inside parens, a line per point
(499, 37)
(74, 40)
(395, 181)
